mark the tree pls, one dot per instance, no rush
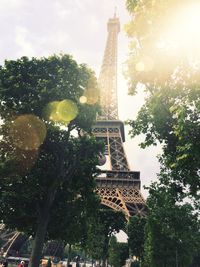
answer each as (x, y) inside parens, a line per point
(136, 236)
(41, 113)
(123, 253)
(74, 215)
(166, 63)
(94, 241)
(106, 223)
(114, 257)
(118, 252)
(171, 226)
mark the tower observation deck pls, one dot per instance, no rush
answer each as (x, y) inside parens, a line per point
(118, 187)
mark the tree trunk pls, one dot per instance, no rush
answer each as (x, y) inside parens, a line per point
(43, 220)
(69, 254)
(39, 242)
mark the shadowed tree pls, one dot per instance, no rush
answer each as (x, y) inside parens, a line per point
(106, 223)
(171, 226)
(118, 252)
(41, 140)
(136, 236)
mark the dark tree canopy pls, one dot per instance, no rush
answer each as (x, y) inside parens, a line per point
(136, 236)
(22, 196)
(48, 159)
(106, 223)
(28, 85)
(172, 230)
(118, 252)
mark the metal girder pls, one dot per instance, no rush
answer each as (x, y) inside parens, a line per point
(111, 135)
(108, 75)
(11, 240)
(119, 188)
(125, 199)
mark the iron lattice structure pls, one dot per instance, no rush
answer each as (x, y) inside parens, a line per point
(119, 188)
(11, 241)
(108, 74)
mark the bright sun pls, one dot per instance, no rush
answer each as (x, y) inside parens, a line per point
(183, 31)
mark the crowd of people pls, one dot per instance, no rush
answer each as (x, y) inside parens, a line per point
(4, 263)
(44, 263)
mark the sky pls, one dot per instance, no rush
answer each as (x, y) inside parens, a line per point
(77, 27)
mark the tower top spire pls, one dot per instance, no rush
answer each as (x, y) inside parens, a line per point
(108, 74)
(115, 12)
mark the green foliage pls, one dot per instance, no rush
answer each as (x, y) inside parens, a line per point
(114, 257)
(55, 180)
(94, 242)
(123, 253)
(170, 114)
(101, 228)
(23, 196)
(154, 45)
(164, 63)
(136, 236)
(118, 253)
(171, 226)
(135, 264)
(27, 86)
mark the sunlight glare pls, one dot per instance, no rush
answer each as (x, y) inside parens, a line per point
(83, 99)
(145, 64)
(183, 32)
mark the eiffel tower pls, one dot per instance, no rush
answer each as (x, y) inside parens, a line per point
(119, 188)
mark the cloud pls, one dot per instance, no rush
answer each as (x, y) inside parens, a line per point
(80, 4)
(77, 27)
(25, 47)
(61, 10)
(11, 3)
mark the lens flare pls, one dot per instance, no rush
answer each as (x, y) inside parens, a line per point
(25, 160)
(61, 112)
(83, 99)
(92, 96)
(50, 111)
(67, 110)
(139, 66)
(27, 132)
(145, 64)
(22, 161)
